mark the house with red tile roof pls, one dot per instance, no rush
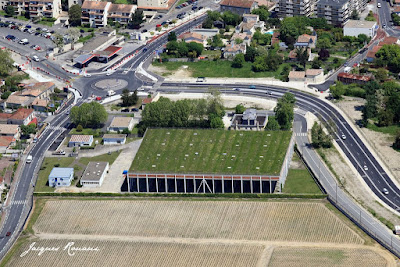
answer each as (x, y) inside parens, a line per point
(349, 78)
(121, 13)
(194, 37)
(23, 116)
(6, 142)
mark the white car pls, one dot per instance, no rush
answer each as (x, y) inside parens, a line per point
(87, 75)
(343, 137)
(29, 159)
(35, 58)
(379, 5)
(385, 191)
(365, 168)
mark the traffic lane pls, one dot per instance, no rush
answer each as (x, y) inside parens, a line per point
(51, 67)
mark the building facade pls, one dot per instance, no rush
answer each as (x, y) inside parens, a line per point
(291, 8)
(94, 174)
(44, 8)
(121, 13)
(356, 27)
(61, 177)
(336, 12)
(238, 6)
(94, 13)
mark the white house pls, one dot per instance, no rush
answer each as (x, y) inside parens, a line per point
(114, 139)
(121, 123)
(80, 140)
(356, 27)
(61, 177)
(94, 174)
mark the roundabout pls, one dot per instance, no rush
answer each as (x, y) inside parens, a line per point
(110, 84)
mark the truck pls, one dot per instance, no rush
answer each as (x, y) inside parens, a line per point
(110, 93)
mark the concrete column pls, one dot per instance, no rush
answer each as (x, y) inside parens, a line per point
(251, 184)
(128, 180)
(204, 185)
(147, 183)
(223, 185)
(194, 184)
(184, 183)
(260, 185)
(176, 188)
(213, 189)
(232, 184)
(270, 185)
(241, 184)
(156, 184)
(137, 183)
(166, 184)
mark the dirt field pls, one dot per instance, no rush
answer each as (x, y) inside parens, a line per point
(195, 233)
(274, 221)
(310, 257)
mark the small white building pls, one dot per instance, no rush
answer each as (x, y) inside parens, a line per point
(114, 139)
(80, 140)
(121, 123)
(94, 174)
(356, 27)
(61, 177)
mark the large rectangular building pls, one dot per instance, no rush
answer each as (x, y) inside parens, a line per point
(336, 12)
(291, 8)
(356, 27)
(94, 174)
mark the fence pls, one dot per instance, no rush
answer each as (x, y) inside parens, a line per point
(345, 204)
(286, 163)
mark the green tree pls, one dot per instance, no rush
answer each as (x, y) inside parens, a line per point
(337, 90)
(128, 98)
(5, 95)
(75, 13)
(79, 128)
(396, 144)
(195, 47)
(324, 43)
(172, 48)
(91, 114)
(137, 19)
(231, 18)
(381, 75)
(238, 61)
(272, 124)
(216, 41)
(284, 113)
(10, 11)
(58, 41)
(251, 54)
(302, 56)
(172, 36)
(28, 129)
(216, 122)
(126, 131)
(6, 63)
(262, 13)
(354, 15)
(180, 114)
(319, 138)
(215, 103)
(239, 109)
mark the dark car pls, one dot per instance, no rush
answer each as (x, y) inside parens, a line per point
(37, 33)
(8, 233)
(52, 32)
(144, 49)
(28, 26)
(125, 110)
(144, 30)
(81, 31)
(38, 29)
(135, 110)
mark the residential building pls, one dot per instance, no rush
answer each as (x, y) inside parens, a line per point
(251, 119)
(238, 6)
(31, 92)
(349, 78)
(94, 174)
(250, 17)
(20, 6)
(297, 76)
(23, 116)
(357, 27)
(233, 49)
(118, 124)
(396, 9)
(45, 8)
(358, 5)
(10, 130)
(396, 2)
(6, 142)
(194, 37)
(245, 37)
(291, 8)
(74, 2)
(336, 12)
(114, 139)
(269, 4)
(16, 100)
(155, 5)
(146, 101)
(80, 140)
(306, 41)
(94, 13)
(121, 13)
(61, 177)
(315, 75)
(371, 53)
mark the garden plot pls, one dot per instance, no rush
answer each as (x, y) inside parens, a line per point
(316, 257)
(265, 221)
(116, 253)
(212, 151)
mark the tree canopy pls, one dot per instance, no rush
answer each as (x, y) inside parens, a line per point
(137, 19)
(75, 13)
(284, 113)
(90, 114)
(6, 63)
(129, 98)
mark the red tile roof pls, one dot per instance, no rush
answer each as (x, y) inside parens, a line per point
(354, 76)
(237, 3)
(22, 114)
(6, 140)
(147, 100)
(389, 40)
(98, 5)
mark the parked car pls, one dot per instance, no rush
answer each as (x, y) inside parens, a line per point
(135, 110)
(35, 58)
(8, 233)
(125, 110)
(59, 152)
(144, 30)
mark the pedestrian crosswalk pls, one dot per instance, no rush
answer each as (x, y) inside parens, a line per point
(18, 202)
(300, 134)
(55, 128)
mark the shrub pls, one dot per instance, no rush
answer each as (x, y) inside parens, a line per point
(79, 128)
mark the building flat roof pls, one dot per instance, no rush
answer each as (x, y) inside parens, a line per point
(115, 136)
(61, 172)
(82, 59)
(109, 51)
(80, 138)
(94, 171)
(360, 24)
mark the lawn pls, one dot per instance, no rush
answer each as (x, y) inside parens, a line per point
(105, 157)
(47, 166)
(86, 131)
(299, 181)
(220, 68)
(392, 130)
(86, 38)
(46, 23)
(212, 151)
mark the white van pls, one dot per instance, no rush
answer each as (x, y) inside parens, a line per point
(347, 69)
(110, 93)
(23, 41)
(29, 159)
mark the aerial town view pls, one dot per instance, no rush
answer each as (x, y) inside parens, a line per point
(200, 133)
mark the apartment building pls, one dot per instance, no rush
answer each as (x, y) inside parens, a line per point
(44, 8)
(238, 6)
(291, 8)
(20, 6)
(154, 5)
(95, 13)
(121, 13)
(336, 12)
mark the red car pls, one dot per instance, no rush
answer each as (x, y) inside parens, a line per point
(8, 234)
(98, 98)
